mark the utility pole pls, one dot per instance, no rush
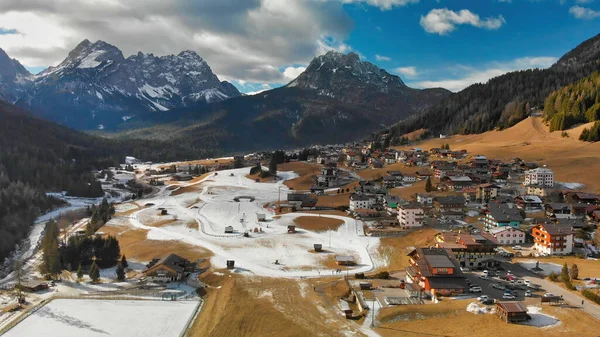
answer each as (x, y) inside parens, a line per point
(18, 265)
(373, 314)
(279, 198)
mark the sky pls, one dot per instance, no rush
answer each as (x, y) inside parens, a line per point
(263, 44)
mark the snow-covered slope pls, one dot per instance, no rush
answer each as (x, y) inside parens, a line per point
(97, 87)
(14, 78)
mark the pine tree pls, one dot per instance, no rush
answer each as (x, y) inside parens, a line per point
(564, 274)
(574, 272)
(428, 185)
(51, 257)
(124, 262)
(120, 272)
(273, 166)
(94, 272)
(79, 272)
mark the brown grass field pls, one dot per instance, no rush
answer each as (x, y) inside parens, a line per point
(450, 318)
(187, 189)
(570, 159)
(318, 224)
(307, 174)
(587, 268)
(394, 248)
(135, 246)
(260, 306)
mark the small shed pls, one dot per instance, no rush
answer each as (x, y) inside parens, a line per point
(291, 229)
(34, 285)
(163, 212)
(512, 312)
(343, 260)
(261, 216)
(230, 264)
(229, 229)
(365, 286)
(346, 310)
(318, 247)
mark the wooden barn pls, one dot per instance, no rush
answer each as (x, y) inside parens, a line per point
(512, 312)
(342, 260)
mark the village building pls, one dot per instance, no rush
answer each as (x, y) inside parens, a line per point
(457, 183)
(391, 203)
(425, 199)
(507, 235)
(328, 177)
(436, 271)
(168, 269)
(449, 203)
(540, 176)
(409, 178)
(584, 198)
(471, 250)
(553, 239)
(529, 203)
(410, 215)
(540, 191)
(362, 201)
(486, 192)
(501, 215)
(392, 181)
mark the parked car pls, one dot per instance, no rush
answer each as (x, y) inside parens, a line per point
(484, 277)
(498, 286)
(488, 301)
(517, 247)
(508, 297)
(482, 297)
(528, 293)
(476, 289)
(549, 295)
(464, 269)
(519, 281)
(527, 282)
(485, 272)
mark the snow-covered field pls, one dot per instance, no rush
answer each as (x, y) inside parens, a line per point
(213, 207)
(547, 268)
(66, 318)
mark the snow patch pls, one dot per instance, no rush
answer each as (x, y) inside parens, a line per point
(99, 95)
(476, 309)
(540, 320)
(90, 60)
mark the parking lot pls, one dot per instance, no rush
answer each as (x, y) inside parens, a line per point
(518, 272)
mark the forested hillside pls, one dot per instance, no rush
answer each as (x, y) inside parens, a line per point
(574, 104)
(505, 100)
(38, 156)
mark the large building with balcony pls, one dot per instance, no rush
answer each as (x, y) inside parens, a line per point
(410, 215)
(436, 271)
(553, 239)
(501, 215)
(540, 176)
(471, 250)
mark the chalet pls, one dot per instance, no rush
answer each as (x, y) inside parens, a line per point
(343, 260)
(558, 210)
(425, 199)
(375, 163)
(410, 215)
(442, 170)
(328, 177)
(512, 312)
(437, 271)
(449, 203)
(470, 194)
(168, 269)
(362, 201)
(486, 192)
(395, 173)
(529, 203)
(471, 250)
(409, 179)
(33, 285)
(585, 198)
(423, 174)
(296, 199)
(229, 229)
(552, 239)
(182, 177)
(391, 203)
(540, 191)
(392, 181)
(501, 215)
(457, 183)
(507, 235)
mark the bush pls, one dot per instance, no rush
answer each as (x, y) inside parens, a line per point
(564, 134)
(553, 277)
(265, 174)
(359, 276)
(590, 295)
(384, 275)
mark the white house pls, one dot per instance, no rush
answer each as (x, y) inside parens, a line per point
(409, 179)
(553, 239)
(361, 201)
(425, 199)
(410, 215)
(507, 235)
(540, 176)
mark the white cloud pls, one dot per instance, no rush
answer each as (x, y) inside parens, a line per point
(443, 21)
(249, 40)
(465, 76)
(584, 13)
(291, 73)
(406, 71)
(383, 4)
(382, 58)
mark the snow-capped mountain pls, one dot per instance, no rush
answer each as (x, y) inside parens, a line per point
(96, 87)
(14, 78)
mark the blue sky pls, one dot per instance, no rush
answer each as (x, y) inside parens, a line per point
(262, 44)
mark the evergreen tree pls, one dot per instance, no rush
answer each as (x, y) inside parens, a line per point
(94, 272)
(564, 274)
(574, 272)
(51, 265)
(124, 262)
(120, 272)
(79, 272)
(273, 166)
(428, 185)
